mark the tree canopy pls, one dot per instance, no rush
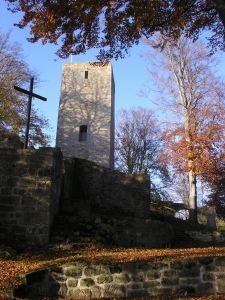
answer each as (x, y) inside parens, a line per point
(13, 105)
(114, 26)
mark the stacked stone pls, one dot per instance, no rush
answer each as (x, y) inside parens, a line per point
(102, 188)
(207, 236)
(83, 280)
(29, 194)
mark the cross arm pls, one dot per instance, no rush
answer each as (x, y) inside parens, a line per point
(29, 93)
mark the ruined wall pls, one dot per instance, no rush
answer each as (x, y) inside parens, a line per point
(30, 184)
(88, 280)
(90, 188)
(113, 205)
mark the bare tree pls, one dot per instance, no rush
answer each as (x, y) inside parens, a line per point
(139, 143)
(194, 96)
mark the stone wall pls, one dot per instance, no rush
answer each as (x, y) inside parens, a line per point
(135, 232)
(30, 184)
(83, 280)
(207, 236)
(91, 189)
(113, 205)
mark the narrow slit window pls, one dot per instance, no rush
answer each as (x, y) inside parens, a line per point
(83, 133)
(86, 74)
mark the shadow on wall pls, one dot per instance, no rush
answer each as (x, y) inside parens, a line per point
(38, 284)
(86, 103)
(89, 187)
(113, 207)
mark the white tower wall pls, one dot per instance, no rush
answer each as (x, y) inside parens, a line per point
(87, 102)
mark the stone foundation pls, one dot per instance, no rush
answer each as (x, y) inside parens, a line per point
(83, 280)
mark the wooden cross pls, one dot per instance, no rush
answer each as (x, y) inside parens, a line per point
(31, 95)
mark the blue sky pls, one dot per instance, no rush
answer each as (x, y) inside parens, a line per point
(130, 73)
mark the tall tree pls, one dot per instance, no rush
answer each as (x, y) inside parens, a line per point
(195, 141)
(13, 106)
(138, 145)
(115, 25)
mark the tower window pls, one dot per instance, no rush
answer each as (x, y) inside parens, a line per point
(86, 74)
(83, 133)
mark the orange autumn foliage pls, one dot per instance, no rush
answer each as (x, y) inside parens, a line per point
(115, 26)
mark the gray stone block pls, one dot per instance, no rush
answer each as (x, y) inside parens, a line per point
(71, 282)
(138, 276)
(73, 271)
(135, 285)
(113, 290)
(101, 279)
(93, 270)
(95, 292)
(220, 276)
(220, 286)
(121, 278)
(151, 284)
(169, 281)
(86, 282)
(153, 275)
(57, 277)
(76, 293)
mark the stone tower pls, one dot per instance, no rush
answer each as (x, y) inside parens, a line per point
(86, 112)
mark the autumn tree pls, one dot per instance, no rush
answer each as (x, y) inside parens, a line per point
(115, 25)
(195, 98)
(13, 106)
(138, 144)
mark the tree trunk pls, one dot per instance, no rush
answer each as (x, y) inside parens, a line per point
(192, 199)
(193, 218)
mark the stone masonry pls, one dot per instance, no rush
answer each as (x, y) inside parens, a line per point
(87, 101)
(113, 205)
(116, 204)
(87, 280)
(30, 183)
(89, 188)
